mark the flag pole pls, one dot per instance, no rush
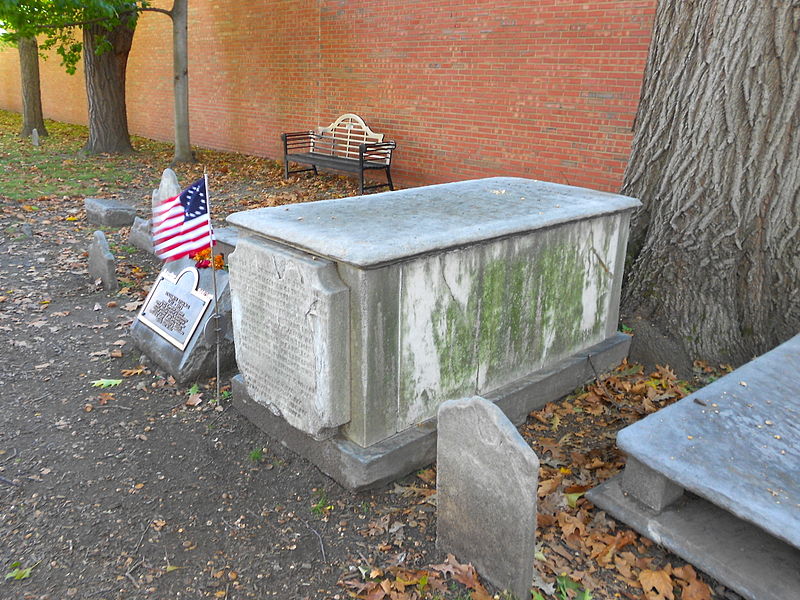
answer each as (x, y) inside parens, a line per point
(215, 316)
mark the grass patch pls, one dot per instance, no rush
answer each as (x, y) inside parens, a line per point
(46, 176)
(58, 167)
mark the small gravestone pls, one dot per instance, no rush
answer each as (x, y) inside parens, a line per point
(140, 234)
(101, 262)
(175, 327)
(167, 188)
(109, 212)
(486, 493)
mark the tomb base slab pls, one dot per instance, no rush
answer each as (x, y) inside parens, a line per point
(746, 558)
(359, 468)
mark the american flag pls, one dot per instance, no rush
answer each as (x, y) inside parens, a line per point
(181, 224)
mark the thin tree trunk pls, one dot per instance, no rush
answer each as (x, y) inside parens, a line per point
(180, 66)
(105, 86)
(32, 117)
(716, 161)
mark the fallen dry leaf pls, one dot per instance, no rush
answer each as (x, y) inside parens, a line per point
(657, 585)
(194, 399)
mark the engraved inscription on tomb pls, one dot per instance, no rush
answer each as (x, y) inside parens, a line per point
(281, 323)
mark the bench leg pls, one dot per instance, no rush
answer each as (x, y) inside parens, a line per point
(389, 179)
(361, 184)
(285, 167)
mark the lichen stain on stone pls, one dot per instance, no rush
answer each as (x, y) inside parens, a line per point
(519, 312)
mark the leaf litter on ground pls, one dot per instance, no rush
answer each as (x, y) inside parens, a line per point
(574, 438)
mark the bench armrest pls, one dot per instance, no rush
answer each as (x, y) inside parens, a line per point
(299, 140)
(380, 152)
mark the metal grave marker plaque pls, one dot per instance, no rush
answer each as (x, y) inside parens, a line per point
(174, 307)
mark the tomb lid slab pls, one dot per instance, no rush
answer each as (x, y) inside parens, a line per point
(735, 442)
(368, 231)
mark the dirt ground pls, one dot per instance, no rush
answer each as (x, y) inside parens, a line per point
(126, 492)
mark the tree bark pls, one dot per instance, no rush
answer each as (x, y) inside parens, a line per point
(32, 117)
(716, 162)
(105, 61)
(180, 66)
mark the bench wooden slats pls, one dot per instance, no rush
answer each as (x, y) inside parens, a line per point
(347, 144)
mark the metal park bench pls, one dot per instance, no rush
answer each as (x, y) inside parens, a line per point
(347, 144)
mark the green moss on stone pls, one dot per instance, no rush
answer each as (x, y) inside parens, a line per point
(518, 309)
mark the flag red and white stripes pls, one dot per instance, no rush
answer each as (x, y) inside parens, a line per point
(181, 225)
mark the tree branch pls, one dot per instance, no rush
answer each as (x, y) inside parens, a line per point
(101, 19)
(158, 10)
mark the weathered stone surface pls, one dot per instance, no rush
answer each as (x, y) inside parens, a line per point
(101, 262)
(226, 240)
(168, 187)
(291, 325)
(649, 487)
(187, 352)
(141, 235)
(109, 212)
(359, 468)
(459, 289)
(742, 556)
(735, 442)
(352, 466)
(475, 320)
(406, 223)
(486, 482)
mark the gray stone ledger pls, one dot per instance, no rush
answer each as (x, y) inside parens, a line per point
(101, 262)
(733, 447)
(109, 212)
(486, 493)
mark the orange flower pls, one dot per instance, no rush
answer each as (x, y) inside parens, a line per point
(203, 259)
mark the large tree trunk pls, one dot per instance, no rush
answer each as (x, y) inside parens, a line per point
(180, 67)
(32, 117)
(716, 161)
(105, 86)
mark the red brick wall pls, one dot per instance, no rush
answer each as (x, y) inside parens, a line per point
(535, 88)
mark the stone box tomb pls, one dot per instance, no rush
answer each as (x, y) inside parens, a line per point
(354, 319)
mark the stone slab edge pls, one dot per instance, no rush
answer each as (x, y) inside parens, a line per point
(358, 468)
(697, 462)
(141, 237)
(741, 556)
(109, 212)
(399, 225)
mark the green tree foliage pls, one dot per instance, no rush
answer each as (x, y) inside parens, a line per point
(59, 21)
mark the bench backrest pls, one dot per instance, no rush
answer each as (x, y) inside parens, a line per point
(342, 137)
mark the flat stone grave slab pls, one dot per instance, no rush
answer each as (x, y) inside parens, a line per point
(109, 212)
(735, 446)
